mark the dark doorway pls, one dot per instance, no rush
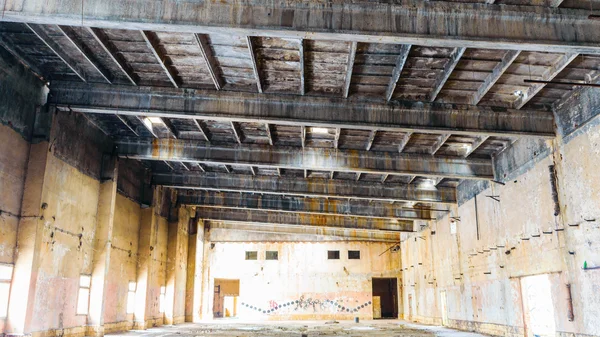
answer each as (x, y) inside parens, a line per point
(385, 291)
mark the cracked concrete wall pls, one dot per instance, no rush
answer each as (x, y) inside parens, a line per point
(302, 284)
(518, 236)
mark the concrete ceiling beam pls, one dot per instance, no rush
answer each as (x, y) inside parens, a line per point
(308, 220)
(270, 202)
(318, 159)
(345, 234)
(302, 110)
(311, 187)
(428, 23)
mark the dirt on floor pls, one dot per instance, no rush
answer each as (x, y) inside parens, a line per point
(232, 328)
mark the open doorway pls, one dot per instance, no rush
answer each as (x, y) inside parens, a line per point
(385, 298)
(538, 309)
(225, 299)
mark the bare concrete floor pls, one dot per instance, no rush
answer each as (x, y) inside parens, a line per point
(236, 328)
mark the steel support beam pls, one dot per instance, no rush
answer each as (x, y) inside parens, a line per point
(350, 68)
(311, 187)
(302, 68)
(457, 53)
(250, 43)
(85, 51)
(478, 142)
(404, 141)
(209, 59)
(439, 143)
(303, 111)
(561, 64)
(338, 233)
(429, 23)
(154, 46)
(299, 219)
(318, 159)
(497, 72)
(58, 51)
(271, 202)
(400, 61)
(112, 51)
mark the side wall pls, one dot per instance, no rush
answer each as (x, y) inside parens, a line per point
(64, 214)
(540, 225)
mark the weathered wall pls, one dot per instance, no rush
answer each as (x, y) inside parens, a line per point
(58, 219)
(20, 95)
(123, 264)
(518, 236)
(302, 284)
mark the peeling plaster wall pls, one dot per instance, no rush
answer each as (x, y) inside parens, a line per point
(518, 236)
(303, 273)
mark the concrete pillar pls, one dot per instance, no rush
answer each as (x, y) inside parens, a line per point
(195, 274)
(191, 276)
(177, 267)
(102, 246)
(207, 294)
(146, 255)
(29, 242)
(31, 230)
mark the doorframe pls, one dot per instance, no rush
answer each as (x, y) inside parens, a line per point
(395, 298)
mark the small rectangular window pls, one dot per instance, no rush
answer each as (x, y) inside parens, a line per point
(131, 297)
(333, 254)
(83, 298)
(6, 272)
(161, 304)
(252, 255)
(272, 255)
(354, 255)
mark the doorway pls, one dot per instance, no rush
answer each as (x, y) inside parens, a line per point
(386, 289)
(226, 293)
(538, 309)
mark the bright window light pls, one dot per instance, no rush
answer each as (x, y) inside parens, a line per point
(161, 304)
(5, 278)
(85, 281)
(320, 130)
(155, 120)
(6, 271)
(83, 298)
(131, 297)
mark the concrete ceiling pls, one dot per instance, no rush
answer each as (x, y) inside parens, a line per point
(271, 112)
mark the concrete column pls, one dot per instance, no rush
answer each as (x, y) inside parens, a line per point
(191, 276)
(31, 230)
(29, 242)
(146, 255)
(102, 246)
(195, 274)
(177, 267)
(207, 294)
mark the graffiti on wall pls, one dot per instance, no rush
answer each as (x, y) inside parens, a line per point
(338, 305)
